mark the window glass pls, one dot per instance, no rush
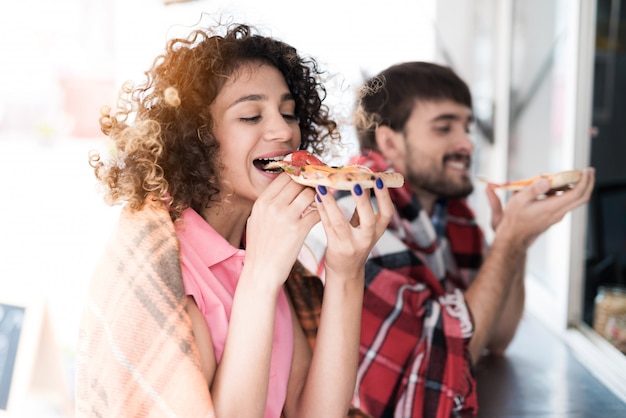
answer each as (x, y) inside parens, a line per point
(540, 138)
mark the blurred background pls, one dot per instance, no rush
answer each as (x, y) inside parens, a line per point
(548, 78)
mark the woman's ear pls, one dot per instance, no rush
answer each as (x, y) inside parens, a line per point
(391, 145)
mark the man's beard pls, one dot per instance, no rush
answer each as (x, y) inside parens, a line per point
(436, 182)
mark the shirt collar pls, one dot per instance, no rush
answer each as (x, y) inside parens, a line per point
(208, 243)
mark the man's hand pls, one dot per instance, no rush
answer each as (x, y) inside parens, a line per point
(496, 296)
(526, 216)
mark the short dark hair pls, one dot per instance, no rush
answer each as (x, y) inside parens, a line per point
(389, 97)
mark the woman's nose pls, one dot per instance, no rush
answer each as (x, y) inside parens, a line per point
(278, 128)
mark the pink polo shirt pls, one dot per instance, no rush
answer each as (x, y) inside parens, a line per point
(211, 268)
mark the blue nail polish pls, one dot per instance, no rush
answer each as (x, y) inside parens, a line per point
(357, 190)
(379, 183)
(319, 199)
(322, 190)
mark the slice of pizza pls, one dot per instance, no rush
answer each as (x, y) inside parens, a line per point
(560, 181)
(306, 169)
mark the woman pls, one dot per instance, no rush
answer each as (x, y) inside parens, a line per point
(214, 109)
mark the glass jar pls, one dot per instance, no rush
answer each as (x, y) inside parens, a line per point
(609, 319)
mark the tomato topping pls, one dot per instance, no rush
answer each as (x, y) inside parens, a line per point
(302, 157)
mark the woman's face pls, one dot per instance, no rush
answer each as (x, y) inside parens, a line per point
(254, 119)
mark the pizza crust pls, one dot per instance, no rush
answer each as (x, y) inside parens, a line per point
(562, 180)
(348, 179)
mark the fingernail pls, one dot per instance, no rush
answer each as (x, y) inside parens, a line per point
(357, 190)
(379, 183)
(319, 199)
(322, 190)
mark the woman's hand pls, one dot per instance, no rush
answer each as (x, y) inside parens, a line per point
(280, 220)
(349, 242)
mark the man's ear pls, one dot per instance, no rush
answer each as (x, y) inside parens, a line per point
(390, 144)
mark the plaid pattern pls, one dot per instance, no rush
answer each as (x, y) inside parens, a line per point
(137, 356)
(416, 326)
(306, 291)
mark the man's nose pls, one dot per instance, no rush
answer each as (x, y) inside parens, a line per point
(465, 142)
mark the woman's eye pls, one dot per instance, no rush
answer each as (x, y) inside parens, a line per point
(289, 116)
(443, 129)
(251, 119)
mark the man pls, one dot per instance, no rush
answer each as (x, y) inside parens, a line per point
(435, 298)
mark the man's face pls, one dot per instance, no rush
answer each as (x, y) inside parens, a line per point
(438, 149)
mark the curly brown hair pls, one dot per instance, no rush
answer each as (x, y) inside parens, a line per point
(162, 129)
